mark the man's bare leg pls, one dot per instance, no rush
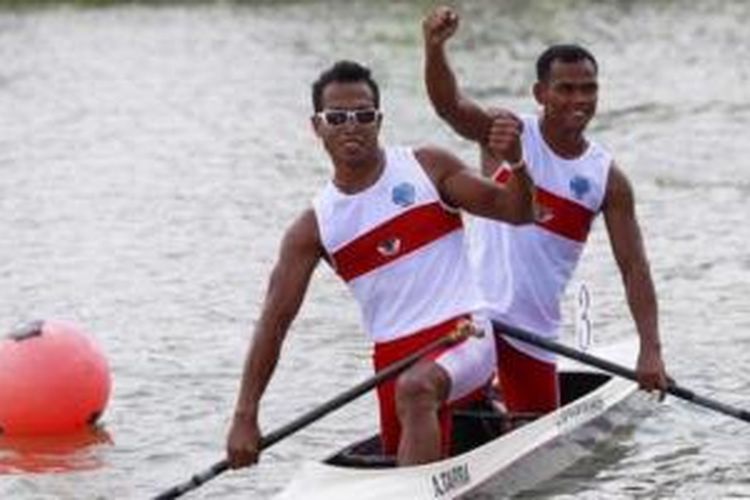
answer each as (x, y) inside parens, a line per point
(419, 394)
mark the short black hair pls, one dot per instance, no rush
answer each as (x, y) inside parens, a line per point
(343, 72)
(567, 53)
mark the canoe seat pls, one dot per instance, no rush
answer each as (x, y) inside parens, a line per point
(472, 426)
(483, 422)
(363, 454)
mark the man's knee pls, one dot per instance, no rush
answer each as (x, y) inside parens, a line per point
(421, 388)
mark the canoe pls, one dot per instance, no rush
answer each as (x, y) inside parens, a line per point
(496, 454)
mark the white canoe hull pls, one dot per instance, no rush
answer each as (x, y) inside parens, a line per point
(489, 470)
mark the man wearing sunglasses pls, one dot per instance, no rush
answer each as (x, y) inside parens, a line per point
(388, 223)
(523, 272)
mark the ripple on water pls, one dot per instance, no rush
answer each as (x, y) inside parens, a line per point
(152, 156)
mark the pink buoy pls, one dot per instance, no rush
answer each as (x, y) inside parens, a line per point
(53, 380)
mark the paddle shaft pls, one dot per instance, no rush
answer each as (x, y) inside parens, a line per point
(608, 366)
(319, 412)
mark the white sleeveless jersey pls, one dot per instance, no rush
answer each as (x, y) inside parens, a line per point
(399, 249)
(522, 271)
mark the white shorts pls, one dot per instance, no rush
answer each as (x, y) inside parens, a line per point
(470, 364)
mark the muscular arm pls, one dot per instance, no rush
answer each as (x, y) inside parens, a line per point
(465, 116)
(300, 252)
(460, 187)
(630, 255)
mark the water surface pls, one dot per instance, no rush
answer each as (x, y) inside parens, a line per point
(150, 158)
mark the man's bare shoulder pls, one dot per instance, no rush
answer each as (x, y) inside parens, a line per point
(302, 235)
(432, 156)
(619, 191)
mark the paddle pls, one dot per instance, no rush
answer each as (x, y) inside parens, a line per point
(607, 366)
(461, 333)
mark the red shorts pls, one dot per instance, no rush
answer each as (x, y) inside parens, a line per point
(389, 352)
(527, 384)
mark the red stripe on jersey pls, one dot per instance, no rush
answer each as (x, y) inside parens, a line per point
(393, 239)
(566, 218)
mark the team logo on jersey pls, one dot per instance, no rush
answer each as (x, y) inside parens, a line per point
(389, 247)
(403, 194)
(580, 185)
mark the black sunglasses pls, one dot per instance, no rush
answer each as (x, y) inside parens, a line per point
(336, 117)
